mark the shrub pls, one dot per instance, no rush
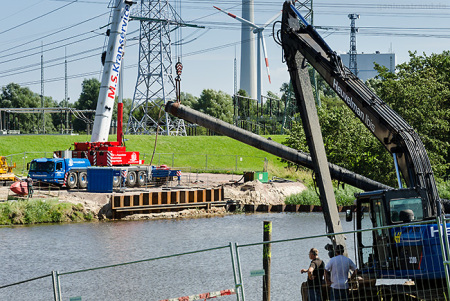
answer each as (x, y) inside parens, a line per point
(41, 211)
(344, 196)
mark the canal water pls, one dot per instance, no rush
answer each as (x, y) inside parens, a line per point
(33, 251)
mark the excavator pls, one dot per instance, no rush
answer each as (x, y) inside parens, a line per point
(398, 236)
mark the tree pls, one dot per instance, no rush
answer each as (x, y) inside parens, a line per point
(89, 95)
(216, 104)
(347, 143)
(87, 101)
(188, 100)
(15, 96)
(420, 93)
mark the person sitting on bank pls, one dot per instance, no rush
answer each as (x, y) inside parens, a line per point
(315, 279)
(339, 267)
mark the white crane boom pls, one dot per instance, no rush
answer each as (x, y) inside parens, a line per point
(111, 71)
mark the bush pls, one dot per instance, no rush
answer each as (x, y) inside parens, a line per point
(41, 211)
(344, 196)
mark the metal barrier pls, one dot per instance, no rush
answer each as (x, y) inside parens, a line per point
(79, 285)
(194, 162)
(209, 270)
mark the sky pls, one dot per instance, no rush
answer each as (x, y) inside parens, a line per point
(55, 30)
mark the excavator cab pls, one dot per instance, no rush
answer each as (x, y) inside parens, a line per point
(388, 251)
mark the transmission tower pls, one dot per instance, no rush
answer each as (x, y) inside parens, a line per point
(155, 84)
(353, 64)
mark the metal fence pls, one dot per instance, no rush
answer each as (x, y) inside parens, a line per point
(187, 162)
(234, 271)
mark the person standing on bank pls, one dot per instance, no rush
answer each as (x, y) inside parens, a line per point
(30, 186)
(315, 279)
(339, 267)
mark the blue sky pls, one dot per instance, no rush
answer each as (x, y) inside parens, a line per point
(77, 29)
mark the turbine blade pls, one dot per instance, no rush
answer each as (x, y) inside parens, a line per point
(272, 19)
(266, 59)
(242, 20)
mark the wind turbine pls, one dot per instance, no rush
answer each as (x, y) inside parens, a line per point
(261, 44)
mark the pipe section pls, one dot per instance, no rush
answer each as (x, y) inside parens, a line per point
(274, 148)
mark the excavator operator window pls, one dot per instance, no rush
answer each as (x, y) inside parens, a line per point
(406, 210)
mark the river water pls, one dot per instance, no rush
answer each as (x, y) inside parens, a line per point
(34, 251)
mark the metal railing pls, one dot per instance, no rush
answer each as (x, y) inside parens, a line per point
(193, 162)
(210, 269)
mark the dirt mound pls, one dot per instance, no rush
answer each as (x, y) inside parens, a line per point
(255, 192)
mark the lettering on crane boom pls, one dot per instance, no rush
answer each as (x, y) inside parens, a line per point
(119, 55)
(353, 106)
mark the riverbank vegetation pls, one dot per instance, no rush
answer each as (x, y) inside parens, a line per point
(35, 211)
(344, 196)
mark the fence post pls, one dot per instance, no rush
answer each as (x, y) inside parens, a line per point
(23, 166)
(239, 271)
(442, 227)
(266, 163)
(56, 286)
(236, 284)
(267, 258)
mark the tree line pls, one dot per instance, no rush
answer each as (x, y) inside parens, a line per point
(419, 91)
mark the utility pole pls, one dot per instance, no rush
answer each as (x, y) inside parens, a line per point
(66, 90)
(353, 65)
(42, 88)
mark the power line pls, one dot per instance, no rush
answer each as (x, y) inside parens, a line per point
(51, 34)
(38, 17)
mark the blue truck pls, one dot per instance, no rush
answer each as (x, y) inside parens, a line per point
(61, 171)
(72, 173)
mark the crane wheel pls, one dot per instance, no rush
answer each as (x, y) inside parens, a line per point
(72, 180)
(141, 178)
(83, 180)
(131, 179)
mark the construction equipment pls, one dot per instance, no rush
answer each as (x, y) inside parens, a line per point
(405, 251)
(99, 151)
(6, 171)
(387, 256)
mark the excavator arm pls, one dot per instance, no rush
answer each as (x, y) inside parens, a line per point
(396, 135)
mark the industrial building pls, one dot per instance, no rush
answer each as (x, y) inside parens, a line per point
(366, 61)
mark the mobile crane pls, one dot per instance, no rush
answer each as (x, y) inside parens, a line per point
(69, 167)
(402, 252)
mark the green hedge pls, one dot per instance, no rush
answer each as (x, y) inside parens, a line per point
(41, 211)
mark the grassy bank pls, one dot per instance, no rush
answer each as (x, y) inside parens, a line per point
(197, 153)
(37, 211)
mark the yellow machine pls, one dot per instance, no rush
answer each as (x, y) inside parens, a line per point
(6, 173)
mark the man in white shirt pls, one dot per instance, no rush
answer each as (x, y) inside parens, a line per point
(339, 267)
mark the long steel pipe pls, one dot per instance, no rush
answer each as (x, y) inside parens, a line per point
(274, 148)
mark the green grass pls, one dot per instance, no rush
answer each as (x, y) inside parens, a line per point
(41, 211)
(196, 153)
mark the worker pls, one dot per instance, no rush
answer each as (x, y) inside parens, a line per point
(315, 279)
(30, 186)
(339, 267)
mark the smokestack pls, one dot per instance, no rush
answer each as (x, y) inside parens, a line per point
(248, 59)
